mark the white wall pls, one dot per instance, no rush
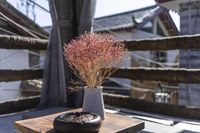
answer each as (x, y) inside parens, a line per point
(13, 59)
(171, 55)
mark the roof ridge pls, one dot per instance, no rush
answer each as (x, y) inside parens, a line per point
(131, 11)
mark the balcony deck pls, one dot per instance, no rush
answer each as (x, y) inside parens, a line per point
(153, 123)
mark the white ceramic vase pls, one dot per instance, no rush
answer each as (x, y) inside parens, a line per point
(93, 101)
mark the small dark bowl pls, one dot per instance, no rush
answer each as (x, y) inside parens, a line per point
(77, 122)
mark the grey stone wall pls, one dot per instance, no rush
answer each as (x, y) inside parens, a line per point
(189, 94)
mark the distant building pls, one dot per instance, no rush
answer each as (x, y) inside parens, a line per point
(149, 22)
(189, 11)
(13, 22)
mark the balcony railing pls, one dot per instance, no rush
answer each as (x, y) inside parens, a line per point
(175, 75)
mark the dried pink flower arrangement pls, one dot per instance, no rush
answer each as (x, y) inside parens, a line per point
(90, 53)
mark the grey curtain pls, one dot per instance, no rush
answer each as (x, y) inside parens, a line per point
(70, 18)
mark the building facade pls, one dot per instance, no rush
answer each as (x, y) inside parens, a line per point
(189, 11)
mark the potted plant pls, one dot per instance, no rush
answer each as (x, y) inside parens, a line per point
(93, 57)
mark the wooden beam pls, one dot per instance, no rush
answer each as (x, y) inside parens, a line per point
(167, 43)
(14, 75)
(152, 107)
(18, 27)
(116, 90)
(17, 105)
(114, 100)
(17, 42)
(176, 75)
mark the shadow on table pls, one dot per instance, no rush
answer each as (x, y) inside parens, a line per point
(51, 131)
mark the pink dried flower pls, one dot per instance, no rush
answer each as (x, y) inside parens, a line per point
(88, 54)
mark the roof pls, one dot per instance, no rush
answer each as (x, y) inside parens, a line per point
(164, 1)
(124, 19)
(135, 19)
(21, 23)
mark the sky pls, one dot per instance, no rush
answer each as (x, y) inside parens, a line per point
(103, 8)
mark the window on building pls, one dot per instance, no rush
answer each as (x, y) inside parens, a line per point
(148, 27)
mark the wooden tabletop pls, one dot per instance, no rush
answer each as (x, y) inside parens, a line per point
(114, 123)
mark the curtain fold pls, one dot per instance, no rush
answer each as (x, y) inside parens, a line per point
(85, 15)
(69, 18)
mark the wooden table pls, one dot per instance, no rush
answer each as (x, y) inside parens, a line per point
(112, 124)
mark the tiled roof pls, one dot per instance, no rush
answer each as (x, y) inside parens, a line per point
(125, 19)
(135, 19)
(7, 11)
